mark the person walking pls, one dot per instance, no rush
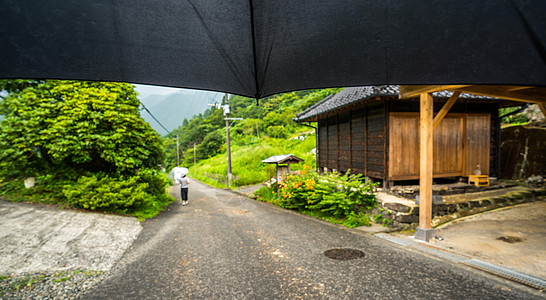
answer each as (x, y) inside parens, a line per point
(184, 184)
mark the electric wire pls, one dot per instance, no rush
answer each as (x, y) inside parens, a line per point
(146, 109)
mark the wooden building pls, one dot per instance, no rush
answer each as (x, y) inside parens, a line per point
(370, 131)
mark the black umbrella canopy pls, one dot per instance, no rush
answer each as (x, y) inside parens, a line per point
(259, 48)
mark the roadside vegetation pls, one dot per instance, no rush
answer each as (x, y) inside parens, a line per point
(338, 198)
(83, 144)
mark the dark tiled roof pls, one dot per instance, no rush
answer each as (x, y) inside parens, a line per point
(355, 94)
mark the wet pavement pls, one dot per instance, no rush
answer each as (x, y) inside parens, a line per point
(225, 246)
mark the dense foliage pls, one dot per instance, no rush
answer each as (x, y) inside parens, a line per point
(75, 126)
(341, 196)
(87, 135)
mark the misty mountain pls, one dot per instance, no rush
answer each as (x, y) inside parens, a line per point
(172, 109)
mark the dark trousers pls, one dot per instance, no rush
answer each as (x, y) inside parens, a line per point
(184, 193)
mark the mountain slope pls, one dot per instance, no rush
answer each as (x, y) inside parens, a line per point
(172, 109)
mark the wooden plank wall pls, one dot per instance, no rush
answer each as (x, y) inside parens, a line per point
(323, 143)
(464, 107)
(332, 143)
(477, 143)
(358, 140)
(448, 146)
(344, 141)
(404, 143)
(404, 146)
(376, 140)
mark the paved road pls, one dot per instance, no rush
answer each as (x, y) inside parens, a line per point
(226, 247)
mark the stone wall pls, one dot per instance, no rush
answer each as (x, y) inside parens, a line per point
(405, 214)
(520, 143)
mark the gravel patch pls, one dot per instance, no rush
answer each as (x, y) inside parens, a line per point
(48, 253)
(69, 284)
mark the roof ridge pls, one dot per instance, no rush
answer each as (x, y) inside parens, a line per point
(355, 94)
(316, 104)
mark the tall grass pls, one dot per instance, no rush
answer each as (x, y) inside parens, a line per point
(246, 161)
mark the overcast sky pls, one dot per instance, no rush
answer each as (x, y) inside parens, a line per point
(147, 90)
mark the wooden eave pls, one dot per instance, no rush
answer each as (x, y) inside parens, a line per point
(528, 94)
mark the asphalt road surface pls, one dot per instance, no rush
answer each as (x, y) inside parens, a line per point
(222, 246)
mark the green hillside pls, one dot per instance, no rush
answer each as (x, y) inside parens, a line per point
(266, 129)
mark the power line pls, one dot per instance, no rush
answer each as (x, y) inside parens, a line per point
(145, 108)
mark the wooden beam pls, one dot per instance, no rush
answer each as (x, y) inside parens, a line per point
(445, 109)
(410, 91)
(517, 88)
(425, 231)
(529, 95)
(542, 108)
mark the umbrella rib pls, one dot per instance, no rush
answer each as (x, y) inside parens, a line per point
(252, 27)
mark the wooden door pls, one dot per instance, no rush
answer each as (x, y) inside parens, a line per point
(403, 146)
(448, 146)
(448, 157)
(478, 137)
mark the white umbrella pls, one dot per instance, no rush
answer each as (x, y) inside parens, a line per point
(178, 172)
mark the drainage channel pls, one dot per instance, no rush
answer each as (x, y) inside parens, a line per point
(525, 279)
(531, 281)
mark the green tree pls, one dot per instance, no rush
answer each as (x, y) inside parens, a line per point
(211, 145)
(55, 126)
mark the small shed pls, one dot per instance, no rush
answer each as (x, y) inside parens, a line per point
(283, 163)
(372, 132)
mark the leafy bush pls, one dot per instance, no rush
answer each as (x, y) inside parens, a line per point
(330, 193)
(132, 194)
(343, 197)
(104, 192)
(355, 220)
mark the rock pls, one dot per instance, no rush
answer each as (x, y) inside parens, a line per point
(535, 180)
(403, 218)
(398, 207)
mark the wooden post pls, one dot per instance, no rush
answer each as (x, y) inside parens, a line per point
(425, 230)
(542, 108)
(445, 109)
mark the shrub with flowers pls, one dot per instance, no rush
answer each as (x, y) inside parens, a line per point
(342, 196)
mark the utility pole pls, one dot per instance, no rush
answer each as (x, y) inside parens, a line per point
(177, 152)
(226, 112)
(194, 159)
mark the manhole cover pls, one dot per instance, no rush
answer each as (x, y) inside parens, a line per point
(343, 253)
(510, 239)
